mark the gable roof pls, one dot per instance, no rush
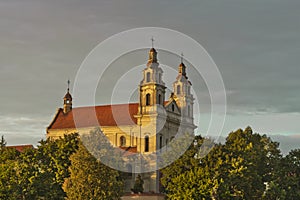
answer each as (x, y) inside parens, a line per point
(168, 106)
(93, 116)
(105, 115)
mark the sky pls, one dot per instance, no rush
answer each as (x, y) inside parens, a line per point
(255, 44)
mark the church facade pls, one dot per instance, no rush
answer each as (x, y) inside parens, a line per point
(142, 127)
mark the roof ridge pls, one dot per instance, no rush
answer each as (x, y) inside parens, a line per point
(105, 115)
(105, 105)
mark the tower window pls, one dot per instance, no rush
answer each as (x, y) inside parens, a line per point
(146, 143)
(159, 99)
(122, 141)
(189, 111)
(173, 107)
(178, 89)
(148, 99)
(148, 76)
(160, 142)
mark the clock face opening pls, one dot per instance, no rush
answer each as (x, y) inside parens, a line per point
(68, 101)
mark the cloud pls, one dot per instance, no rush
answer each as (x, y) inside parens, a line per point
(287, 142)
(23, 129)
(255, 44)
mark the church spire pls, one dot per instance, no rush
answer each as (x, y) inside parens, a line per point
(68, 100)
(182, 67)
(152, 42)
(152, 54)
(182, 90)
(152, 88)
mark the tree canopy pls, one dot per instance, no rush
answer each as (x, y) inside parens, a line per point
(36, 173)
(90, 179)
(247, 166)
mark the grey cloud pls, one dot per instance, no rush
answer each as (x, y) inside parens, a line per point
(255, 44)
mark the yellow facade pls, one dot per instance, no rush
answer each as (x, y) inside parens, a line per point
(157, 120)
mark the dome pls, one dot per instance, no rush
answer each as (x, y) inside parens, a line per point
(152, 50)
(68, 96)
(182, 69)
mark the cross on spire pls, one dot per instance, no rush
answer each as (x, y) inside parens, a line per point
(181, 57)
(68, 84)
(152, 41)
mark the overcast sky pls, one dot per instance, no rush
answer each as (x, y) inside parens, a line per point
(255, 44)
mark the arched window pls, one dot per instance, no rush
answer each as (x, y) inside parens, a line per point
(178, 89)
(122, 141)
(146, 143)
(148, 76)
(159, 99)
(173, 107)
(148, 99)
(160, 142)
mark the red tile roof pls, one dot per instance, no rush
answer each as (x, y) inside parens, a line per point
(21, 148)
(129, 150)
(106, 115)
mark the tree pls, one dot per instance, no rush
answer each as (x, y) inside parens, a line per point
(2, 143)
(138, 185)
(286, 178)
(52, 162)
(184, 179)
(7, 154)
(37, 173)
(248, 162)
(90, 179)
(291, 178)
(8, 159)
(237, 169)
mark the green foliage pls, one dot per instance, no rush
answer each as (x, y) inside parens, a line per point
(179, 178)
(138, 185)
(100, 147)
(237, 169)
(90, 179)
(247, 165)
(286, 178)
(2, 143)
(37, 173)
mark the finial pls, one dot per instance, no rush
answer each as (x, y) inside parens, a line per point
(68, 84)
(181, 57)
(152, 42)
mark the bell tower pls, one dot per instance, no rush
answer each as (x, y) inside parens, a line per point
(67, 100)
(151, 88)
(182, 92)
(152, 91)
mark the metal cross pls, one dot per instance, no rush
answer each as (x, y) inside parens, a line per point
(152, 41)
(68, 84)
(181, 57)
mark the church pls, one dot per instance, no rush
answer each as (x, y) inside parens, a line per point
(143, 127)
